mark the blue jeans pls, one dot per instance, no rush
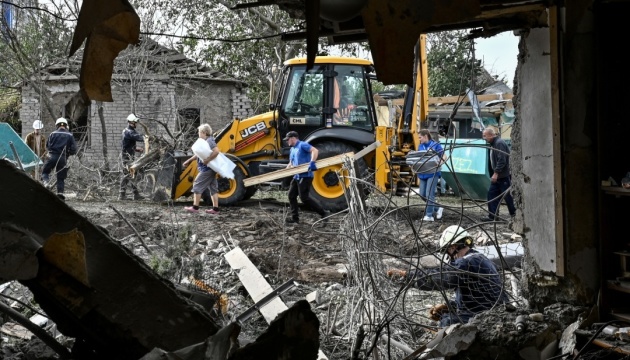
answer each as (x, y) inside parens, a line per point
(427, 191)
(500, 190)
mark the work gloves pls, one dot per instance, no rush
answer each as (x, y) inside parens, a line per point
(312, 166)
(436, 312)
(396, 274)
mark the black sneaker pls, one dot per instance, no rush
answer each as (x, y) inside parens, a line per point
(63, 198)
(137, 196)
(292, 221)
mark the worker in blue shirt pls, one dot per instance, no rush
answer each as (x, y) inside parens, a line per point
(302, 153)
(475, 279)
(60, 145)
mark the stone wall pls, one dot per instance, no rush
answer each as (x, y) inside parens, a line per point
(60, 91)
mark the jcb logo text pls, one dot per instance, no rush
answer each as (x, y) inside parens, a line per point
(253, 129)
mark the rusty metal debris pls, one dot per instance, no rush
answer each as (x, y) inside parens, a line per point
(110, 301)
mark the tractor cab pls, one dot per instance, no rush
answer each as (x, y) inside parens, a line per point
(328, 100)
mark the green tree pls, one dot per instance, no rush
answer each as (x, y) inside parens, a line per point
(451, 65)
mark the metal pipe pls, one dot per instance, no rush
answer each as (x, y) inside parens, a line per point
(17, 157)
(63, 352)
(521, 323)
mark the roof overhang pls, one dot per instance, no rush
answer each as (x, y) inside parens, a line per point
(392, 27)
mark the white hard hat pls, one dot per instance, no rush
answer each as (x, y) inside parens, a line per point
(38, 124)
(132, 118)
(452, 235)
(61, 121)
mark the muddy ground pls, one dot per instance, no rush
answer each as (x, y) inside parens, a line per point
(341, 263)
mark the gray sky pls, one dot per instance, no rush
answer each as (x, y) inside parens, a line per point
(499, 54)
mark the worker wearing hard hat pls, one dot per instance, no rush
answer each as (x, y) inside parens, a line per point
(37, 142)
(129, 139)
(475, 279)
(60, 145)
(36, 139)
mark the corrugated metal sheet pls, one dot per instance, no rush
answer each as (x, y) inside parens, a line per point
(28, 158)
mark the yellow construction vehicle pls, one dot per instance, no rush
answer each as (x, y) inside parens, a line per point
(332, 107)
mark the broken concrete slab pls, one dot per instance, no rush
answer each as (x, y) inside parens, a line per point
(458, 338)
(127, 309)
(258, 288)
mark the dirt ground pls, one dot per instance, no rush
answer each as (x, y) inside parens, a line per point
(319, 257)
(326, 260)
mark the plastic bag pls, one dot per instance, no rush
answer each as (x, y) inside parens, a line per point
(424, 161)
(223, 166)
(201, 149)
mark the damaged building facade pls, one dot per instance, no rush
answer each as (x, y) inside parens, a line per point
(169, 92)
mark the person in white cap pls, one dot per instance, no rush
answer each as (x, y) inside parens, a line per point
(60, 146)
(37, 142)
(129, 139)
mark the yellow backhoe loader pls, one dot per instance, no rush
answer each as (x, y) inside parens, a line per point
(333, 108)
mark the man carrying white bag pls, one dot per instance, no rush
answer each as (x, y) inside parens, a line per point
(210, 161)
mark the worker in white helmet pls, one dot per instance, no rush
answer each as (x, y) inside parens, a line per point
(129, 139)
(60, 145)
(37, 142)
(475, 279)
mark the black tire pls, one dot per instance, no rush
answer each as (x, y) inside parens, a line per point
(326, 187)
(231, 191)
(250, 192)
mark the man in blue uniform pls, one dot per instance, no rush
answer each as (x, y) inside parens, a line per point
(60, 145)
(302, 153)
(475, 279)
(129, 139)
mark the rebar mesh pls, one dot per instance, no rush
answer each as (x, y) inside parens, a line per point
(379, 313)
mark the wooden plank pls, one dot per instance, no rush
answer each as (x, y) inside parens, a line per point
(255, 283)
(279, 174)
(616, 190)
(451, 99)
(455, 99)
(258, 287)
(610, 345)
(366, 150)
(556, 114)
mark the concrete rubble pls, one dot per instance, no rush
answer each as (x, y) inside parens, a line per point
(491, 335)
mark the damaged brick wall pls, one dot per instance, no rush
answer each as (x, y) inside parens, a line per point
(241, 104)
(160, 99)
(61, 91)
